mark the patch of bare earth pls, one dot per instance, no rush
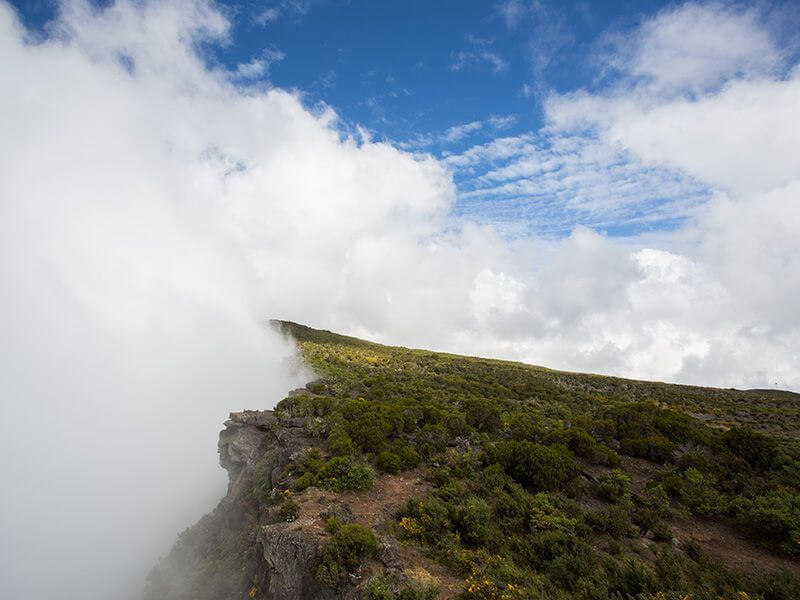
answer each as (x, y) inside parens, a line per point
(376, 508)
(717, 539)
(724, 542)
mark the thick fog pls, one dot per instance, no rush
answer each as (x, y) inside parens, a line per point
(155, 210)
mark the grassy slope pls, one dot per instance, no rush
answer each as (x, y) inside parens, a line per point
(771, 411)
(503, 444)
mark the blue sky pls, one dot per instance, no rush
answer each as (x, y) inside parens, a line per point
(444, 77)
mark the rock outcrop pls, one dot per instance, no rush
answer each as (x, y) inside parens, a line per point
(240, 549)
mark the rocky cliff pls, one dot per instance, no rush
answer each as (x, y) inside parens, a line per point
(501, 481)
(265, 542)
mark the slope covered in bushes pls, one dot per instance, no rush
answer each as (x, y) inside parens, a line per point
(547, 484)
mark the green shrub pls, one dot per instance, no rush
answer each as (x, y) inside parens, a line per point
(603, 455)
(657, 449)
(613, 485)
(661, 532)
(614, 520)
(653, 506)
(340, 442)
(389, 462)
(483, 414)
(545, 516)
(342, 474)
(344, 553)
(542, 467)
(407, 454)
(308, 460)
(698, 492)
(773, 517)
(756, 448)
(580, 442)
(472, 521)
(289, 510)
(306, 480)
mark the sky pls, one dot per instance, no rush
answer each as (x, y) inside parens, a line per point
(602, 187)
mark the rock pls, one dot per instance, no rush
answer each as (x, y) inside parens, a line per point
(290, 559)
(340, 511)
(389, 552)
(279, 559)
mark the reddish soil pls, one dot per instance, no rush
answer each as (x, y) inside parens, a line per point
(718, 539)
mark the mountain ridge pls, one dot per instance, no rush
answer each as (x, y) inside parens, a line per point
(410, 474)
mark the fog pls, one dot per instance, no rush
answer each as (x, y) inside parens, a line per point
(155, 211)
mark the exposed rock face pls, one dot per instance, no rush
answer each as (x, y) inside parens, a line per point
(279, 558)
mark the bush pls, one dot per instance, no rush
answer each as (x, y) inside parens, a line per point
(756, 448)
(614, 520)
(309, 460)
(542, 467)
(306, 480)
(774, 517)
(613, 485)
(380, 588)
(545, 516)
(341, 474)
(698, 492)
(389, 462)
(340, 442)
(472, 521)
(289, 510)
(657, 449)
(344, 553)
(579, 441)
(653, 506)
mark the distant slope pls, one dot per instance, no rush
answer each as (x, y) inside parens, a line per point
(776, 412)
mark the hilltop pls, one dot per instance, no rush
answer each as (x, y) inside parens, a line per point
(410, 474)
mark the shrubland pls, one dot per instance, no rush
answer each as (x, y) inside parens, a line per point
(531, 491)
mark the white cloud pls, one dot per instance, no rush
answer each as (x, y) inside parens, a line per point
(466, 58)
(702, 89)
(696, 48)
(259, 67)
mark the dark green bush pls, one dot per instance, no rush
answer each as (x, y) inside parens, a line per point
(389, 462)
(340, 442)
(342, 474)
(756, 448)
(344, 552)
(289, 510)
(306, 480)
(657, 449)
(542, 467)
(613, 485)
(773, 517)
(614, 520)
(472, 521)
(579, 441)
(698, 492)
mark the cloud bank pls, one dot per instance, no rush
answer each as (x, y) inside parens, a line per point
(155, 209)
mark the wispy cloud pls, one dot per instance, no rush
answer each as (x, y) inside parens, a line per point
(281, 8)
(465, 58)
(480, 52)
(492, 125)
(512, 12)
(258, 67)
(555, 182)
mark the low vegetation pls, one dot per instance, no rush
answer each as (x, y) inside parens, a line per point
(509, 448)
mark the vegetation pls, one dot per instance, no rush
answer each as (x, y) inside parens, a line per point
(344, 552)
(505, 445)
